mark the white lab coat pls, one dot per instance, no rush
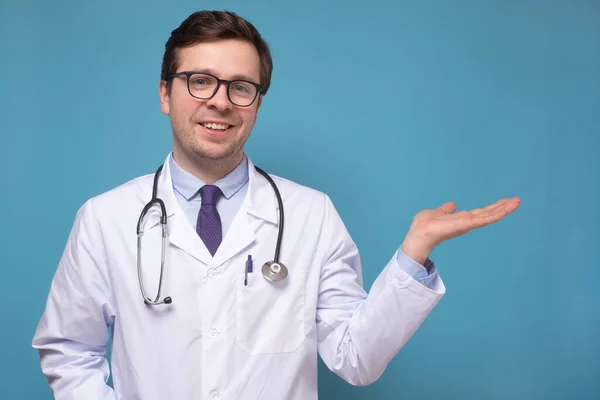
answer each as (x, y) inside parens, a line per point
(220, 339)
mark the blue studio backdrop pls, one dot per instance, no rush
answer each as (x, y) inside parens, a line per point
(390, 107)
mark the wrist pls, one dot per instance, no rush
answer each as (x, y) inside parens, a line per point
(419, 252)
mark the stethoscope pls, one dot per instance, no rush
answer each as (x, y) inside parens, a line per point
(273, 271)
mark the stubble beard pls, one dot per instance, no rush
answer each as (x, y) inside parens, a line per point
(202, 152)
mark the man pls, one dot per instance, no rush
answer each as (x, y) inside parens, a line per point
(225, 331)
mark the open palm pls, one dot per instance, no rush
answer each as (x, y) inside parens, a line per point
(432, 227)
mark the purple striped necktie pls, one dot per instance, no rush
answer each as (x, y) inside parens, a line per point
(208, 225)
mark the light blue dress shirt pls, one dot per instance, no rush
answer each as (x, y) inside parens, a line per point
(187, 191)
(234, 187)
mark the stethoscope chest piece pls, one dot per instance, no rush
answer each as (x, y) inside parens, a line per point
(274, 272)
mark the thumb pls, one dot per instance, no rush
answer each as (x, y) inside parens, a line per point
(448, 207)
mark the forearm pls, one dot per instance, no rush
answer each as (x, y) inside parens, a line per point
(358, 344)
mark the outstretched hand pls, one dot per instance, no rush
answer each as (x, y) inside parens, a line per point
(432, 227)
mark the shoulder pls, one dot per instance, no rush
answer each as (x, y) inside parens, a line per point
(295, 191)
(313, 207)
(301, 199)
(121, 200)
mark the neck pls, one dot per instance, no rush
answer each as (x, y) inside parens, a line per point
(206, 169)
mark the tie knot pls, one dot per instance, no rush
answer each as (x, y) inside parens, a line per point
(210, 194)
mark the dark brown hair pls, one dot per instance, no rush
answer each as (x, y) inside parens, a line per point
(206, 26)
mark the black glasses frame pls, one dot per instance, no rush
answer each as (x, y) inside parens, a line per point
(188, 74)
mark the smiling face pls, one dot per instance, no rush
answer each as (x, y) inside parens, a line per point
(210, 134)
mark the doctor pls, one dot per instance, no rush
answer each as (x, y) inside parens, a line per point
(229, 328)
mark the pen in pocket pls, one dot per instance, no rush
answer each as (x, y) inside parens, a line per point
(248, 269)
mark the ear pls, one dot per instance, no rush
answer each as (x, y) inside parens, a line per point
(164, 97)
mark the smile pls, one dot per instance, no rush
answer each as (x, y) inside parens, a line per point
(216, 126)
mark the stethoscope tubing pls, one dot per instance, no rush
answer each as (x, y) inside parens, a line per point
(273, 271)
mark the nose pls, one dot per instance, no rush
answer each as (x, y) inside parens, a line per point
(220, 100)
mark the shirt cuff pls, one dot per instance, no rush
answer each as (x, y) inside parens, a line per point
(424, 274)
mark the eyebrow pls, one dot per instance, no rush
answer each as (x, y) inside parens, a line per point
(233, 78)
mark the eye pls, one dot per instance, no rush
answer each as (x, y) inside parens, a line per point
(201, 81)
(241, 87)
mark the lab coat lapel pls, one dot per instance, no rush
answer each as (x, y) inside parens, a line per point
(258, 207)
(180, 233)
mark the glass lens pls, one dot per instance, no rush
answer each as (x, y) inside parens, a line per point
(202, 86)
(242, 93)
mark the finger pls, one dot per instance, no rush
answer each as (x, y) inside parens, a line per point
(508, 205)
(479, 213)
(499, 203)
(495, 214)
(511, 205)
(485, 219)
(447, 208)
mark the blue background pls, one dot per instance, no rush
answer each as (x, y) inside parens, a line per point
(401, 105)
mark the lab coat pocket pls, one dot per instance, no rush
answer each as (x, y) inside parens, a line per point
(270, 315)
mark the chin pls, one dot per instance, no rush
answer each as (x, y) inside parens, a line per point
(216, 152)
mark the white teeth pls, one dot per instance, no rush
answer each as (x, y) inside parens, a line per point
(220, 127)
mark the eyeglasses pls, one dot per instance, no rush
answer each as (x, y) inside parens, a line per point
(204, 86)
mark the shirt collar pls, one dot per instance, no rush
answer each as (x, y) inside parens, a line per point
(188, 185)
